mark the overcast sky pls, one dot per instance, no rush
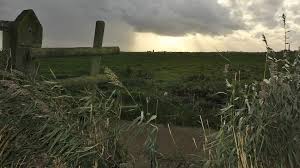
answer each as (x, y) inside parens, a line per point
(166, 25)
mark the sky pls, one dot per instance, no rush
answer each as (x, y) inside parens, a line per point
(164, 25)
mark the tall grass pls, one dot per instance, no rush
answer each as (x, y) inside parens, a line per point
(43, 124)
(261, 121)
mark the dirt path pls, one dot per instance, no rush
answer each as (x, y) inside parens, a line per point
(186, 143)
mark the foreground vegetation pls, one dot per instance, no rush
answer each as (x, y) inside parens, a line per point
(44, 124)
(182, 85)
(261, 121)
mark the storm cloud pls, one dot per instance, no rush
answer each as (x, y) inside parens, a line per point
(64, 18)
(71, 22)
(179, 17)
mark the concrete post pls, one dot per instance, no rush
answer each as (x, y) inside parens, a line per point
(99, 33)
(6, 28)
(98, 39)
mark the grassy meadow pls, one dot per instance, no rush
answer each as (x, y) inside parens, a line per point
(178, 87)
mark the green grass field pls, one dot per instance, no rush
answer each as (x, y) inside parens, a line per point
(181, 86)
(163, 66)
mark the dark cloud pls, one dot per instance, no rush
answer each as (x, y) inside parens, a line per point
(179, 17)
(72, 20)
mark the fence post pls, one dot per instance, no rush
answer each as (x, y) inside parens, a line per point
(99, 33)
(98, 39)
(96, 60)
(6, 27)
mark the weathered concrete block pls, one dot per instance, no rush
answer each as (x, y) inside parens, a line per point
(27, 32)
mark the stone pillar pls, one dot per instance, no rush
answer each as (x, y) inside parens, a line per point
(96, 60)
(6, 28)
(99, 33)
(98, 39)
